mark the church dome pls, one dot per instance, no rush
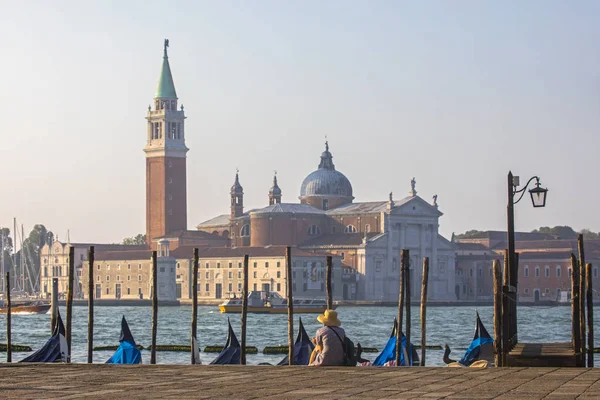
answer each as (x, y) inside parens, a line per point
(326, 181)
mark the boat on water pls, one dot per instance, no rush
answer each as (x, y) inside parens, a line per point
(479, 354)
(388, 354)
(55, 349)
(35, 307)
(231, 353)
(272, 303)
(127, 353)
(303, 348)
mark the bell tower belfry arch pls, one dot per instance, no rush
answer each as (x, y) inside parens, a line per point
(166, 194)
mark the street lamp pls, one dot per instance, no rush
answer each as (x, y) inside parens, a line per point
(538, 199)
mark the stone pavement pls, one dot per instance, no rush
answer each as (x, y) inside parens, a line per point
(74, 381)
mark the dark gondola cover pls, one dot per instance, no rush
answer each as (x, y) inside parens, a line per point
(127, 353)
(55, 348)
(481, 348)
(389, 351)
(232, 350)
(303, 348)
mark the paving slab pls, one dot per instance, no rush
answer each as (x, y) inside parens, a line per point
(96, 381)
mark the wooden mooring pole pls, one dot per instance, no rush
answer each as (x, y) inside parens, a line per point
(71, 281)
(403, 261)
(154, 306)
(244, 310)
(90, 330)
(290, 301)
(8, 319)
(424, 309)
(582, 296)
(576, 335)
(54, 305)
(328, 273)
(407, 294)
(590, 316)
(194, 338)
(497, 313)
(505, 311)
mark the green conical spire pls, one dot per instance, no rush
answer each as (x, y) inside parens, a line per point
(166, 87)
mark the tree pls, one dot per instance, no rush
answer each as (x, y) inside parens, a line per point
(562, 232)
(589, 235)
(135, 240)
(468, 234)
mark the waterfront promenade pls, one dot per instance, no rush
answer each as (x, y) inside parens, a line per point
(74, 381)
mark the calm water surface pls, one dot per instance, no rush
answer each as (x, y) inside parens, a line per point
(371, 326)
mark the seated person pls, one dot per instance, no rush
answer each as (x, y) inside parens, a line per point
(329, 341)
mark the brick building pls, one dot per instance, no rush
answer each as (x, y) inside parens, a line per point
(544, 265)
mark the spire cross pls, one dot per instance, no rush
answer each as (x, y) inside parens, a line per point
(166, 45)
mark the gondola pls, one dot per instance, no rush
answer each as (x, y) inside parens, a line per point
(231, 351)
(55, 349)
(479, 353)
(389, 351)
(127, 353)
(302, 348)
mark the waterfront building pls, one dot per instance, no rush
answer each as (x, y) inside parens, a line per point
(128, 274)
(54, 263)
(544, 265)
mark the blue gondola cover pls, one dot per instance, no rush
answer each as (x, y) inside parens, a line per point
(232, 350)
(303, 348)
(127, 353)
(55, 349)
(389, 351)
(481, 345)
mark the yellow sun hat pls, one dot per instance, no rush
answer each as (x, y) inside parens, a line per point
(329, 318)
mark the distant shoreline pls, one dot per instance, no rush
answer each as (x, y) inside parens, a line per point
(148, 303)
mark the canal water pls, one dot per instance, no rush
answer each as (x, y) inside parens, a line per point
(371, 326)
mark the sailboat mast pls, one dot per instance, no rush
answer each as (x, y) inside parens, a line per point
(14, 264)
(2, 258)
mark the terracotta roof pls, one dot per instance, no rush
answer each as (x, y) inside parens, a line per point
(359, 208)
(181, 234)
(219, 220)
(125, 255)
(338, 240)
(239, 252)
(471, 246)
(291, 208)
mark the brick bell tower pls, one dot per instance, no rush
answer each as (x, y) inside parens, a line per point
(166, 203)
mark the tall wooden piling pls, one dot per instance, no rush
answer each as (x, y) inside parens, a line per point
(244, 310)
(576, 335)
(90, 331)
(54, 305)
(424, 282)
(194, 340)
(328, 274)
(403, 264)
(154, 306)
(505, 310)
(582, 296)
(8, 319)
(71, 280)
(590, 316)
(497, 313)
(407, 294)
(290, 304)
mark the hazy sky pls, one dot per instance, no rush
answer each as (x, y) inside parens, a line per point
(454, 93)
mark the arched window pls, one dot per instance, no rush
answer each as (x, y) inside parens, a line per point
(45, 271)
(537, 270)
(526, 271)
(349, 229)
(245, 232)
(558, 271)
(225, 234)
(314, 230)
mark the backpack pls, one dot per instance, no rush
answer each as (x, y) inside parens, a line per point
(349, 352)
